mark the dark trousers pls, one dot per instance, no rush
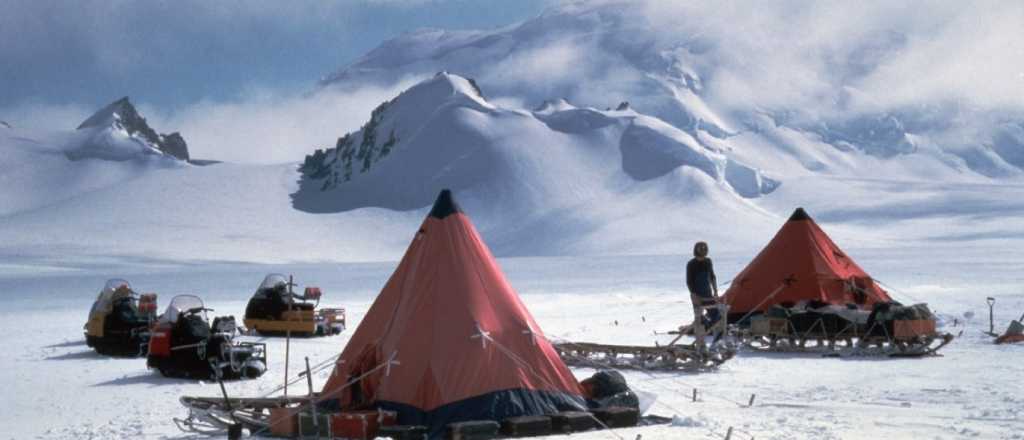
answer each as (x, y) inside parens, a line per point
(711, 316)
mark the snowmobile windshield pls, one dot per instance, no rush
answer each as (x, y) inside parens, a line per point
(112, 285)
(179, 305)
(273, 280)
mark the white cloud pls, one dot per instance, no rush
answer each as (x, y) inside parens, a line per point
(261, 126)
(892, 54)
(30, 117)
(265, 126)
(122, 36)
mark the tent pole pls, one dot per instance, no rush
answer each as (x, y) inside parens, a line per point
(287, 338)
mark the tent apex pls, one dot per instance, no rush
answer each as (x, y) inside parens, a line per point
(799, 214)
(444, 205)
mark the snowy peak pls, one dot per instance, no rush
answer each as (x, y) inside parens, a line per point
(442, 88)
(551, 106)
(391, 123)
(119, 132)
(114, 113)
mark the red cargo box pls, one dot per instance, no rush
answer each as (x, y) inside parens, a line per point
(906, 329)
(361, 425)
(283, 422)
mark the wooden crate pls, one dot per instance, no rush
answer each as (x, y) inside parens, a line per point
(526, 426)
(283, 422)
(361, 425)
(617, 416)
(765, 326)
(473, 430)
(309, 429)
(911, 328)
(572, 421)
(403, 432)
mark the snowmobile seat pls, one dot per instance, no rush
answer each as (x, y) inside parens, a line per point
(302, 306)
(190, 330)
(224, 324)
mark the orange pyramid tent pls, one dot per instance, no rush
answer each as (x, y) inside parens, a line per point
(449, 340)
(801, 263)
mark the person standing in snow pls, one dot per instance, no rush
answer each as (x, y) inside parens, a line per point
(703, 286)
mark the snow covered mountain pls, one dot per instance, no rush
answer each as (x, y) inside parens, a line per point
(562, 173)
(817, 119)
(443, 133)
(119, 132)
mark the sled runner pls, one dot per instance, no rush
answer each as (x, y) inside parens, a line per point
(275, 310)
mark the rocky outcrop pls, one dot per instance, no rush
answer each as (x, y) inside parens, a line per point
(122, 116)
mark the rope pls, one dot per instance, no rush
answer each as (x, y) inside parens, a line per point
(763, 301)
(316, 369)
(321, 397)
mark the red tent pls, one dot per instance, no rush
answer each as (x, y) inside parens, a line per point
(801, 263)
(448, 339)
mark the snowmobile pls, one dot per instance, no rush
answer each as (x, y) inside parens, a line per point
(888, 329)
(119, 320)
(275, 310)
(184, 344)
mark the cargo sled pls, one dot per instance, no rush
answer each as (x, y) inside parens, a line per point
(709, 350)
(275, 310)
(184, 344)
(119, 320)
(803, 293)
(889, 329)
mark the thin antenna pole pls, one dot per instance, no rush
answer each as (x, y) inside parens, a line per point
(288, 337)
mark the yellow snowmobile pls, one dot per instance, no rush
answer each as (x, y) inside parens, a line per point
(275, 310)
(119, 321)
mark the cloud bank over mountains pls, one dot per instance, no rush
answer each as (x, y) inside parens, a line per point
(844, 72)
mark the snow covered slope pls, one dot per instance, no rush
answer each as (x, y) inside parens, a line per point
(752, 87)
(37, 172)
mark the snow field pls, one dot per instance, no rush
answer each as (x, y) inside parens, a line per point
(966, 393)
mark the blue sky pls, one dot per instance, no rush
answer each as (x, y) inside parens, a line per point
(170, 54)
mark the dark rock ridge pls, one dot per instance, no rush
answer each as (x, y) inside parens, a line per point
(122, 114)
(5, 124)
